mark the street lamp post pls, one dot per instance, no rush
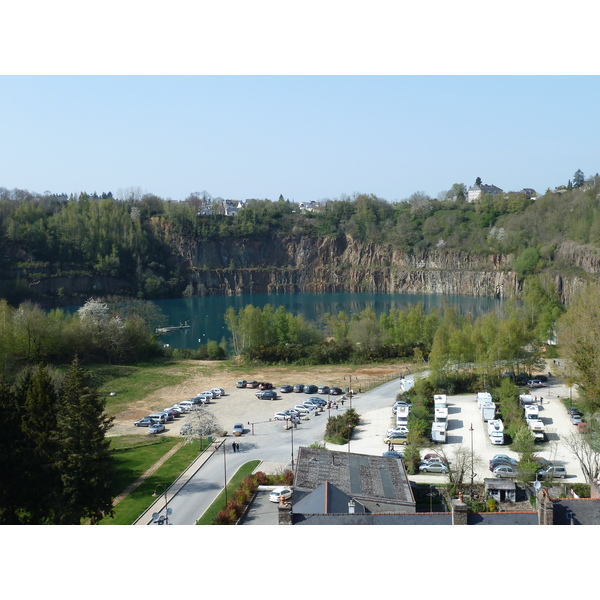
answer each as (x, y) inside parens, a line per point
(225, 471)
(292, 431)
(156, 517)
(472, 469)
(349, 378)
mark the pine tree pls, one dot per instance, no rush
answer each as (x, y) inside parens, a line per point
(11, 457)
(83, 458)
(41, 484)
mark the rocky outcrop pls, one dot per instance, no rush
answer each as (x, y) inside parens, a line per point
(301, 264)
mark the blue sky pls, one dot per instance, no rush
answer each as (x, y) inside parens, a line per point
(306, 137)
(311, 100)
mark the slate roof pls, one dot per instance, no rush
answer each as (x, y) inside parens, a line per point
(583, 511)
(504, 518)
(325, 499)
(375, 519)
(361, 476)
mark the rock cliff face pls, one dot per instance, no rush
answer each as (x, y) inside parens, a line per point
(301, 264)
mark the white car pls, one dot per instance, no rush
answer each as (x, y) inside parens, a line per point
(301, 409)
(398, 429)
(238, 429)
(208, 393)
(218, 391)
(280, 492)
(281, 416)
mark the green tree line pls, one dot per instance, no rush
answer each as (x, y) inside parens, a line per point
(140, 240)
(115, 331)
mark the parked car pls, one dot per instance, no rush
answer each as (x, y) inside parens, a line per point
(573, 410)
(265, 385)
(323, 389)
(576, 419)
(396, 438)
(280, 492)
(335, 391)
(145, 422)
(301, 409)
(310, 389)
(173, 413)
(168, 415)
(398, 429)
(156, 428)
(218, 391)
(310, 405)
(252, 384)
(282, 416)
(299, 387)
(286, 389)
(502, 459)
(238, 429)
(242, 383)
(505, 471)
(433, 467)
(553, 471)
(393, 454)
(500, 462)
(536, 383)
(429, 456)
(266, 395)
(318, 401)
(158, 417)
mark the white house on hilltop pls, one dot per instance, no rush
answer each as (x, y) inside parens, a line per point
(475, 191)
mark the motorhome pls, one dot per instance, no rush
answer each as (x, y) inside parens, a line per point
(496, 431)
(525, 400)
(488, 411)
(532, 411)
(441, 416)
(537, 429)
(438, 433)
(483, 397)
(439, 401)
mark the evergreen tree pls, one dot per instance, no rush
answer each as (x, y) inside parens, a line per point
(41, 483)
(83, 458)
(11, 457)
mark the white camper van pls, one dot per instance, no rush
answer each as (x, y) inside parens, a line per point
(439, 401)
(496, 431)
(440, 415)
(483, 397)
(488, 411)
(438, 433)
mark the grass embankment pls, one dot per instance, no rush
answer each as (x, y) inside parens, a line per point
(210, 515)
(129, 383)
(132, 458)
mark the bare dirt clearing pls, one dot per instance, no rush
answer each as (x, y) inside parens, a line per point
(242, 404)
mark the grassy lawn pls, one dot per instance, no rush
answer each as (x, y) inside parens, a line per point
(209, 516)
(133, 461)
(130, 382)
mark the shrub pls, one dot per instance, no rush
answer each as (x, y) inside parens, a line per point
(492, 504)
(261, 478)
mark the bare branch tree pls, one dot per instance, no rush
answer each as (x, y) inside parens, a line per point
(586, 452)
